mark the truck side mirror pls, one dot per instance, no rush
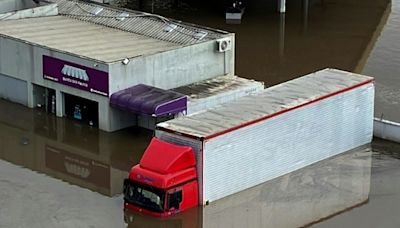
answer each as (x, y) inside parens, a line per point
(174, 199)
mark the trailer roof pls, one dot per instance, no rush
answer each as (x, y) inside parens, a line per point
(272, 101)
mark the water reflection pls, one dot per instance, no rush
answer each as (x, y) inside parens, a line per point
(383, 64)
(384, 197)
(298, 199)
(67, 150)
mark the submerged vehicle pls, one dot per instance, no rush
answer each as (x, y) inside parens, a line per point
(308, 195)
(209, 155)
(163, 183)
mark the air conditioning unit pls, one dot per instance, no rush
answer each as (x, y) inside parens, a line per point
(224, 44)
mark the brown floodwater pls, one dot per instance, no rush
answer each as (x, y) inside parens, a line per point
(53, 170)
(58, 173)
(275, 48)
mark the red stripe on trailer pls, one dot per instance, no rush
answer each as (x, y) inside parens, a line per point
(271, 115)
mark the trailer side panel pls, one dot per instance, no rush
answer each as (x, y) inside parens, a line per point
(265, 150)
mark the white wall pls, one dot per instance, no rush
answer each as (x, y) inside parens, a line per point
(386, 129)
(173, 68)
(13, 89)
(12, 5)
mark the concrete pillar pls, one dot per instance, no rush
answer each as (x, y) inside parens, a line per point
(30, 95)
(59, 104)
(281, 6)
(226, 64)
(229, 59)
(104, 116)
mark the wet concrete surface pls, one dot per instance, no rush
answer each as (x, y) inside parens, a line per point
(58, 173)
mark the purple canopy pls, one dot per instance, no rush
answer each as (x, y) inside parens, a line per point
(144, 99)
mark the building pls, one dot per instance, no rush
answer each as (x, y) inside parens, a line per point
(73, 59)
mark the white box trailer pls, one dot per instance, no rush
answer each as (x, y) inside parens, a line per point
(259, 137)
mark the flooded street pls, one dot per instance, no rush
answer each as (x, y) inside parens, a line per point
(275, 48)
(57, 176)
(58, 173)
(384, 197)
(383, 63)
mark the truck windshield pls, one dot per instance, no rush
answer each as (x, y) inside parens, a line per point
(144, 196)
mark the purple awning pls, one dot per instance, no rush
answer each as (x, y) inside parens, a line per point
(144, 99)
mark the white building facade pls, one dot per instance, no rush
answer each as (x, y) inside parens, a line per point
(70, 64)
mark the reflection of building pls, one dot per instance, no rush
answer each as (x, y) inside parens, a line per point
(78, 154)
(294, 200)
(72, 63)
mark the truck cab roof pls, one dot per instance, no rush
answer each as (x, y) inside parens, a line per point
(164, 164)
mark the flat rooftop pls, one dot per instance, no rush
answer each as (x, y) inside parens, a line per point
(272, 100)
(214, 86)
(104, 33)
(83, 38)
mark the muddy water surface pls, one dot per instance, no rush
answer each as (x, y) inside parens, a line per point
(57, 173)
(51, 178)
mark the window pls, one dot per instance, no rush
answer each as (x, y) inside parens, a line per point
(145, 196)
(174, 199)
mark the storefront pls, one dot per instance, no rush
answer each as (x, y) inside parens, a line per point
(65, 72)
(44, 98)
(80, 109)
(79, 77)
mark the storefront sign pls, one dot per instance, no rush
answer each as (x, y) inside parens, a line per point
(74, 165)
(75, 75)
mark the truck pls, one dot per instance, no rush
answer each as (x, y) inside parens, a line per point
(200, 158)
(308, 195)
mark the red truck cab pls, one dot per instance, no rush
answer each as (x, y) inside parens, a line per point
(164, 182)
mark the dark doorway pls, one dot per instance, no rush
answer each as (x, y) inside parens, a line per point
(81, 109)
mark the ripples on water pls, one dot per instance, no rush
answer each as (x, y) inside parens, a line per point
(384, 65)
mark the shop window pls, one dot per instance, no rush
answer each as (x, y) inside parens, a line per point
(80, 109)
